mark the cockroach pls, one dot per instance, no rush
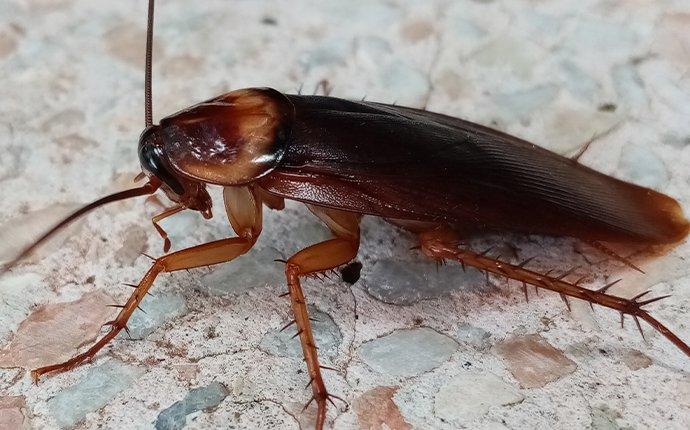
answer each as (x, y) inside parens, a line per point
(442, 178)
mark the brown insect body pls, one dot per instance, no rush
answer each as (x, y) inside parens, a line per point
(406, 164)
(440, 177)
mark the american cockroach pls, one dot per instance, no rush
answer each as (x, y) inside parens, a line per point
(441, 178)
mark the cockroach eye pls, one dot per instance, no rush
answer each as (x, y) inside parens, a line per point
(152, 160)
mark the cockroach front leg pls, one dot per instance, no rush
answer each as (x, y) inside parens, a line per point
(156, 219)
(312, 260)
(443, 246)
(244, 210)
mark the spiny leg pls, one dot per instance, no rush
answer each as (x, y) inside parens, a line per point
(156, 219)
(244, 210)
(440, 245)
(312, 260)
(613, 254)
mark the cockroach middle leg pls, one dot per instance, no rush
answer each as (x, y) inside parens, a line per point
(315, 259)
(156, 219)
(435, 245)
(244, 210)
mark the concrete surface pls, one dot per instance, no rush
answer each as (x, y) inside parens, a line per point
(207, 353)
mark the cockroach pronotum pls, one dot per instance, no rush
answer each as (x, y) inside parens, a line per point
(441, 178)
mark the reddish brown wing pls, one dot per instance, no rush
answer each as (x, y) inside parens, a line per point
(399, 162)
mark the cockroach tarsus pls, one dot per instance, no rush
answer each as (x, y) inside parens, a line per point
(441, 178)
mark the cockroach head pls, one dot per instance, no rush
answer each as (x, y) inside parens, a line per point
(154, 163)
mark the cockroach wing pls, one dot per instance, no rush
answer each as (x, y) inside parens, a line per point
(410, 164)
(232, 139)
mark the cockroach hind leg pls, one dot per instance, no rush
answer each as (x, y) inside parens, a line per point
(436, 248)
(613, 254)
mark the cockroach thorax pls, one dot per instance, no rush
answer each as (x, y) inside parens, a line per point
(229, 140)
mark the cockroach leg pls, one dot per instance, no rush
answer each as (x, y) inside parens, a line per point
(315, 259)
(244, 210)
(583, 148)
(156, 219)
(435, 246)
(613, 254)
(325, 86)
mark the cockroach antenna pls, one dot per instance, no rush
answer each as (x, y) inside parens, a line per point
(148, 104)
(148, 188)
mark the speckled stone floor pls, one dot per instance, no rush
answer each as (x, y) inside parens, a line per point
(413, 347)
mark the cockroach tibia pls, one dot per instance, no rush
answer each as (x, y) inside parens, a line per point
(441, 178)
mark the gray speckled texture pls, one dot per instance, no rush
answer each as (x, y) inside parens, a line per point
(554, 72)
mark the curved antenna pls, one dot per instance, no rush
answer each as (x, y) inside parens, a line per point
(148, 188)
(148, 105)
